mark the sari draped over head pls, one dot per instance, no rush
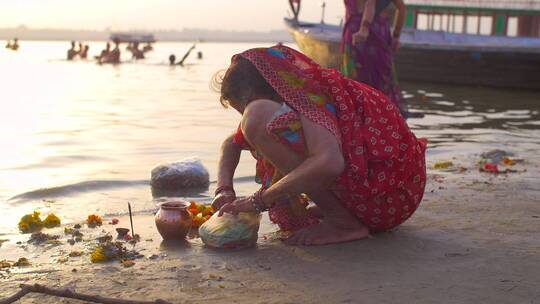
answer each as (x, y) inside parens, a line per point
(384, 176)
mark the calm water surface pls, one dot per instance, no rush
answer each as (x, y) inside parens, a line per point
(80, 138)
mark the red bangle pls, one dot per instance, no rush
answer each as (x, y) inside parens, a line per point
(224, 188)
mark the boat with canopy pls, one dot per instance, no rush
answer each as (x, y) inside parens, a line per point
(482, 43)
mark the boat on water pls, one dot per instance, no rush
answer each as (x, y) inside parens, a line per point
(495, 43)
(132, 37)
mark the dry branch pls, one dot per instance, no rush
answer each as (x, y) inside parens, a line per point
(66, 293)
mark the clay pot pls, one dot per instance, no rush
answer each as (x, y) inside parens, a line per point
(173, 220)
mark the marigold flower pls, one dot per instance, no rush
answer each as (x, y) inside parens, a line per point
(51, 221)
(30, 223)
(94, 221)
(98, 255)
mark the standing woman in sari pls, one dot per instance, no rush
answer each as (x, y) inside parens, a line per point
(368, 45)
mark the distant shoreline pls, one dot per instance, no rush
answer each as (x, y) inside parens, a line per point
(186, 35)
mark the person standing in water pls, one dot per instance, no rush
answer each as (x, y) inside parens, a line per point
(15, 45)
(172, 59)
(368, 45)
(81, 48)
(136, 52)
(84, 52)
(71, 53)
(114, 55)
(104, 53)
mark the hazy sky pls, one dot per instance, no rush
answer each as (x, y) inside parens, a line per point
(258, 15)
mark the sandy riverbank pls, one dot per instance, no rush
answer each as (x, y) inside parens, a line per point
(475, 239)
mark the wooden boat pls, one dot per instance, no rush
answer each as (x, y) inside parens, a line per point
(442, 54)
(132, 37)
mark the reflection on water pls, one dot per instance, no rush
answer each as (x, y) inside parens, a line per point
(85, 137)
(461, 120)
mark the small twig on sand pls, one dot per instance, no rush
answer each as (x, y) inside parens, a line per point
(131, 220)
(43, 271)
(66, 293)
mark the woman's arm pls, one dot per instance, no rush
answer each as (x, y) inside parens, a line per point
(398, 24)
(228, 161)
(367, 18)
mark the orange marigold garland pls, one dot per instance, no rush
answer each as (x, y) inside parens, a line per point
(200, 212)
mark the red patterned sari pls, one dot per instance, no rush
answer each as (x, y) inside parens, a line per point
(384, 177)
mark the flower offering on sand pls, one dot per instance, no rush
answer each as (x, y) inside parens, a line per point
(108, 250)
(32, 222)
(201, 213)
(443, 165)
(51, 221)
(94, 220)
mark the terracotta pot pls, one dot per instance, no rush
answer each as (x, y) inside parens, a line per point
(173, 220)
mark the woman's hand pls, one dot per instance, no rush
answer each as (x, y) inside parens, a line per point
(222, 198)
(395, 44)
(368, 16)
(243, 204)
(360, 36)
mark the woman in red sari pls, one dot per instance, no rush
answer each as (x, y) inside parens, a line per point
(319, 135)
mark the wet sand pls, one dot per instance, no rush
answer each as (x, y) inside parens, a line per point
(473, 240)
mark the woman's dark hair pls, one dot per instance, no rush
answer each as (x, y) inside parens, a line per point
(242, 82)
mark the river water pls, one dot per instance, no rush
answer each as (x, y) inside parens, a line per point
(80, 138)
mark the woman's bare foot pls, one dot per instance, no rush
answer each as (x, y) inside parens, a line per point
(328, 232)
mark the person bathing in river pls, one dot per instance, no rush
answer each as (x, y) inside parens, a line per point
(172, 59)
(368, 45)
(71, 53)
(104, 53)
(15, 45)
(136, 52)
(315, 132)
(114, 55)
(84, 52)
(108, 56)
(81, 48)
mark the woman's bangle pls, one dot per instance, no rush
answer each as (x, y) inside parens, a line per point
(257, 201)
(224, 188)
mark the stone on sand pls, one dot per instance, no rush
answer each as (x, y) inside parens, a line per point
(181, 175)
